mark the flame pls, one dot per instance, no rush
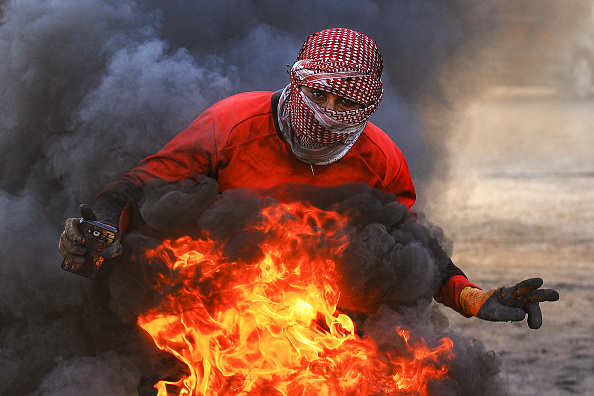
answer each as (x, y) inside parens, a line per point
(271, 327)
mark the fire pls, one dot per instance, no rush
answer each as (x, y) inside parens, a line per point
(271, 327)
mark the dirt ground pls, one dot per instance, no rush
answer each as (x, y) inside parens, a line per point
(520, 204)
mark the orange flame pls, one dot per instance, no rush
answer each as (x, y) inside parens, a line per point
(271, 327)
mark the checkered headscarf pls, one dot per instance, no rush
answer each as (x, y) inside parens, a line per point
(343, 62)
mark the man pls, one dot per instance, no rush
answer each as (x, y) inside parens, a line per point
(314, 132)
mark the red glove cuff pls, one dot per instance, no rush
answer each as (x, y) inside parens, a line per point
(449, 294)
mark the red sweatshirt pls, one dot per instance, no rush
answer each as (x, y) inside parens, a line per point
(237, 142)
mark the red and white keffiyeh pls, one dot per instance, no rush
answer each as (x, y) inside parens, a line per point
(343, 62)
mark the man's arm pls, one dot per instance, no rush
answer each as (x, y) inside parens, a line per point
(453, 280)
(503, 304)
(191, 153)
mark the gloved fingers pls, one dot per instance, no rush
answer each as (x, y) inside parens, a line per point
(112, 250)
(71, 246)
(494, 311)
(534, 316)
(87, 212)
(512, 295)
(526, 286)
(71, 250)
(541, 295)
(72, 232)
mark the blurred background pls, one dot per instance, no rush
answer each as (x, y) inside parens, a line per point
(519, 197)
(490, 102)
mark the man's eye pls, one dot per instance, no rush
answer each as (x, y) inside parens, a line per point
(349, 103)
(317, 94)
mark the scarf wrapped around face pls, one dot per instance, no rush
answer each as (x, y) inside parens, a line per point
(345, 63)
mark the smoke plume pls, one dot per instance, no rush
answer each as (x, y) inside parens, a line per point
(387, 275)
(90, 87)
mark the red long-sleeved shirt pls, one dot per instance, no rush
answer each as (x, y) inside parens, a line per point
(237, 142)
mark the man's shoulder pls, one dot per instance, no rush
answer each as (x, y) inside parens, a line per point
(374, 138)
(242, 117)
(244, 104)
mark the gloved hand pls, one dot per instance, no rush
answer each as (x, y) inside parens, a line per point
(508, 303)
(71, 241)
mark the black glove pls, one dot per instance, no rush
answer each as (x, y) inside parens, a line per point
(71, 241)
(508, 303)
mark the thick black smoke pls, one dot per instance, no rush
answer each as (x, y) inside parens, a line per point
(89, 87)
(387, 278)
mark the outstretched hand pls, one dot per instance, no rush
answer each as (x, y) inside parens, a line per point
(508, 303)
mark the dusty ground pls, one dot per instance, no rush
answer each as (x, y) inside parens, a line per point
(520, 204)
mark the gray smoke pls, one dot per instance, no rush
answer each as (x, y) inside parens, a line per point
(90, 87)
(387, 273)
